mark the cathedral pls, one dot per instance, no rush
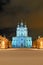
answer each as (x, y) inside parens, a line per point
(21, 40)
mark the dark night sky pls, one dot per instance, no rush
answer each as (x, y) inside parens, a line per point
(31, 11)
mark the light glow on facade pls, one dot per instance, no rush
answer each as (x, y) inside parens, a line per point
(21, 39)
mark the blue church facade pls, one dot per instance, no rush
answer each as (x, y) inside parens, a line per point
(21, 39)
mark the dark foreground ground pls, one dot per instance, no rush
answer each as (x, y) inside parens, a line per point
(21, 57)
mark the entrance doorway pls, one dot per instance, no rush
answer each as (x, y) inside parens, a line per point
(22, 45)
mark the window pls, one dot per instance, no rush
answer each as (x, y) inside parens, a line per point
(29, 40)
(21, 39)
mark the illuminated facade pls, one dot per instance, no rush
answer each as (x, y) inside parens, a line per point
(21, 39)
(4, 43)
(38, 43)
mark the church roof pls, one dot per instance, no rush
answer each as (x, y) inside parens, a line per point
(21, 25)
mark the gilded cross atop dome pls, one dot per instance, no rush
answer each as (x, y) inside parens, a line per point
(21, 24)
(18, 25)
